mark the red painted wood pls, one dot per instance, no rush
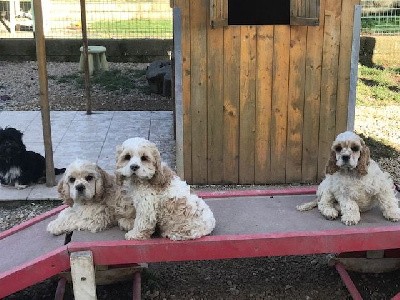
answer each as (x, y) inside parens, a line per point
(31, 222)
(306, 190)
(351, 287)
(60, 291)
(239, 246)
(34, 271)
(396, 297)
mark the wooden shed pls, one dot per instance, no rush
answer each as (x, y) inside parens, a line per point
(260, 101)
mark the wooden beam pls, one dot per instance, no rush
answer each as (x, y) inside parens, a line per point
(44, 97)
(83, 276)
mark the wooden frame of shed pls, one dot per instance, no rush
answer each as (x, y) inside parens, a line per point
(260, 104)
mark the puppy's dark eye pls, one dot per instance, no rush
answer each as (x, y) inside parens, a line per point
(71, 179)
(355, 148)
(127, 157)
(144, 158)
(89, 178)
(338, 148)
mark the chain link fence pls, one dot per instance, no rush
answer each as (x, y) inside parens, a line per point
(105, 19)
(122, 19)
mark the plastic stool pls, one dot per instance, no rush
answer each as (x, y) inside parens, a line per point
(96, 57)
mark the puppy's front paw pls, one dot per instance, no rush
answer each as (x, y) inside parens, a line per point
(54, 228)
(126, 224)
(20, 186)
(350, 219)
(131, 235)
(392, 215)
(329, 212)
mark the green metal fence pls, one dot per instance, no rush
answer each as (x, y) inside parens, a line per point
(380, 17)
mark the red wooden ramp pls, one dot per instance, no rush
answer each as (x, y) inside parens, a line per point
(249, 224)
(28, 254)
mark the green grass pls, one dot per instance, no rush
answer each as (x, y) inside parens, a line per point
(112, 80)
(133, 27)
(388, 24)
(378, 86)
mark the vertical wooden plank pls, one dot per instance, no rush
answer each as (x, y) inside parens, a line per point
(355, 53)
(313, 12)
(247, 104)
(346, 37)
(198, 44)
(44, 92)
(296, 103)
(329, 81)
(177, 88)
(186, 91)
(215, 102)
(231, 104)
(218, 13)
(83, 276)
(280, 88)
(265, 40)
(312, 94)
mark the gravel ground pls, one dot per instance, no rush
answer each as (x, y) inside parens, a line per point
(290, 277)
(20, 91)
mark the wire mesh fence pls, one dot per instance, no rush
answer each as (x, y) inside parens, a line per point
(380, 17)
(120, 19)
(107, 19)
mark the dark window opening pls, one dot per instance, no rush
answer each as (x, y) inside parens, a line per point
(258, 12)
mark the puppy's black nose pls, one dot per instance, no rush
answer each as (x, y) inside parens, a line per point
(134, 167)
(80, 187)
(346, 157)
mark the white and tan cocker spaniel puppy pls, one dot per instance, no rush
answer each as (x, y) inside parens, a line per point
(95, 202)
(354, 183)
(160, 197)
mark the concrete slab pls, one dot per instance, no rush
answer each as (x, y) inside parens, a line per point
(94, 137)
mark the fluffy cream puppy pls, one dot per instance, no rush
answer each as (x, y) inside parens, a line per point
(95, 202)
(354, 183)
(160, 197)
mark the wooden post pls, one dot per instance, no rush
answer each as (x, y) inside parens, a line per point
(86, 58)
(44, 99)
(83, 276)
(12, 17)
(355, 50)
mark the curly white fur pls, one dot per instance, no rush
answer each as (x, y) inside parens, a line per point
(354, 183)
(160, 197)
(94, 199)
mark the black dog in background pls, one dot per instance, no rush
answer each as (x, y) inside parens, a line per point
(19, 167)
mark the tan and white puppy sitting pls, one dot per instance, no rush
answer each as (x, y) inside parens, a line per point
(354, 183)
(160, 197)
(94, 201)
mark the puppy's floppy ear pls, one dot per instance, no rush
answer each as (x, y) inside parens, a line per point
(331, 166)
(157, 157)
(363, 160)
(15, 133)
(118, 151)
(163, 176)
(119, 178)
(108, 180)
(63, 191)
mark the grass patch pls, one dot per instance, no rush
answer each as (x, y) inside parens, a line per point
(133, 27)
(75, 78)
(112, 80)
(378, 86)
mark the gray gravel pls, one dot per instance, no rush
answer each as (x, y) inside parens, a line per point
(289, 277)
